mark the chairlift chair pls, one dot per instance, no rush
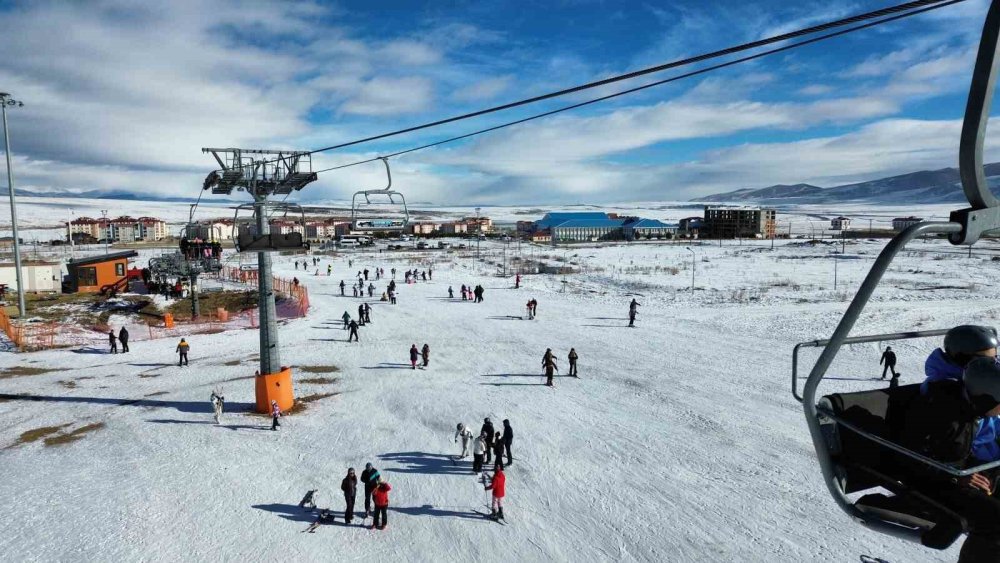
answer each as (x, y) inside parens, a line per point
(856, 434)
(362, 219)
(245, 229)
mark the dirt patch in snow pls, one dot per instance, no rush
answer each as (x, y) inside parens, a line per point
(68, 384)
(37, 434)
(70, 437)
(232, 363)
(318, 369)
(155, 394)
(320, 380)
(24, 371)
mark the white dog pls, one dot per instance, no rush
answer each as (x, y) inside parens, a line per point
(217, 404)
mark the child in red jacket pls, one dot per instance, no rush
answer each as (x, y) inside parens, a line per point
(381, 498)
(498, 485)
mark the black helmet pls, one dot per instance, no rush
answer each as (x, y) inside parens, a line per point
(982, 383)
(963, 342)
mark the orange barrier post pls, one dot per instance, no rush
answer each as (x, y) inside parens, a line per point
(274, 387)
(222, 314)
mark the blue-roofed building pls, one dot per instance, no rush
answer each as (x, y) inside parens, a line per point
(552, 219)
(597, 228)
(648, 229)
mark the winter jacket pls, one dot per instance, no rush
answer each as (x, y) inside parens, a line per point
(425, 351)
(888, 358)
(489, 430)
(346, 316)
(123, 335)
(349, 485)
(381, 495)
(353, 326)
(183, 347)
(939, 368)
(573, 356)
(275, 410)
(465, 433)
(508, 434)
(498, 447)
(414, 354)
(498, 485)
(479, 446)
(368, 477)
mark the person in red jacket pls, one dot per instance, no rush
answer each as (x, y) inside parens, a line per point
(381, 498)
(498, 485)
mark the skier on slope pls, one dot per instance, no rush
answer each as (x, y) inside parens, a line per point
(498, 484)
(479, 450)
(342, 286)
(508, 439)
(182, 348)
(498, 447)
(466, 435)
(549, 364)
(353, 327)
(425, 354)
(217, 406)
(572, 362)
(633, 311)
(888, 360)
(369, 477)
(347, 319)
(381, 498)
(517, 281)
(350, 487)
(488, 430)
(361, 314)
(414, 354)
(368, 313)
(451, 293)
(275, 415)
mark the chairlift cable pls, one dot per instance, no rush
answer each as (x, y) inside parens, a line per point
(652, 84)
(907, 9)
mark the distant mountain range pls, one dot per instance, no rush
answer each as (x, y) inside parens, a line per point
(109, 194)
(928, 186)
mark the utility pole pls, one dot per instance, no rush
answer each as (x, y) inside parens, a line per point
(692, 267)
(835, 260)
(869, 227)
(6, 100)
(107, 228)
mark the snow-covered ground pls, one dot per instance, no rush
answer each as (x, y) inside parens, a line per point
(680, 441)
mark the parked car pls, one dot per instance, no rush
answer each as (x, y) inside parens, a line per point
(421, 245)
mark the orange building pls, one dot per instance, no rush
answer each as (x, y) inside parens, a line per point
(89, 275)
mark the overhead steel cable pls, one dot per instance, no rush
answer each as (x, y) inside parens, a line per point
(897, 9)
(733, 62)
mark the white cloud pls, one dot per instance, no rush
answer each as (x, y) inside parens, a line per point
(484, 89)
(390, 96)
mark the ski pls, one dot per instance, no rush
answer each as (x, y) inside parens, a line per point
(323, 517)
(491, 517)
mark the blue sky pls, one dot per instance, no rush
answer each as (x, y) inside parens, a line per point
(123, 95)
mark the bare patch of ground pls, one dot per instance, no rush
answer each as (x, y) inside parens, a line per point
(318, 369)
(37, 434)
(320, 380)
(24, 371)
(155, 394)
(70, 437)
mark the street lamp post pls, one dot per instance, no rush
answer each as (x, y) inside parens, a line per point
(107, 228)
(688, 248)
(6, 100)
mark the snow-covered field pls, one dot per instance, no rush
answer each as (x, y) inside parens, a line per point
(680, 441)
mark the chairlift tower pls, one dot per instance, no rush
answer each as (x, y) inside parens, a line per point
(264, 173)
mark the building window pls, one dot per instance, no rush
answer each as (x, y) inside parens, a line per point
(87, 276)
(120, 270)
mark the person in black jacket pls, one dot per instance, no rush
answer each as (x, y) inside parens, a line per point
(508, 439)
(489, 431)
(888, 360)
(369, 477)
(112, 341)
(350, 487)
(498, 447)
(954, 422)
(353, 328)
(123, 338)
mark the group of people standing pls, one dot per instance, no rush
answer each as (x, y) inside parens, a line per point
(489, 445)
(376, 489)
(423, 354)
(113, 341)
(550, 367)
(469, 293)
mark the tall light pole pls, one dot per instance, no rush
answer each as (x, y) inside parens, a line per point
(688, 248)
(6, 100)
(107, 228)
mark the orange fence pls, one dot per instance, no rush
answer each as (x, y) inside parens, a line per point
(288, 288)
(34, 336)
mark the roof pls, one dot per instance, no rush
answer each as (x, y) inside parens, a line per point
(910, 218)
(652, 224)
(101, 258)
(553, 219)
(603, 222)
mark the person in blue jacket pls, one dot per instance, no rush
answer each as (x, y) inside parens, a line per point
(962, 344)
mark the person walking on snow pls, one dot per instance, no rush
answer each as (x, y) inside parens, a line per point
(113, 341)
(888, 359)
(182, 348)
(361, 314)
(342, 286)
(355, 288)
(497, 447)
(381, 498)
(632, 312)
(498, 484)
(534, 307)
(350, 487)
(517, 281)
(275, 415)
(549, 363)
(451, 293)
(414, 354)
(572, 362)
(508, 439)
(425, 354)
(123, 338)
(488, 430)
(371, 289)
(466, 435)
(369, 477)
(368, 313)
(478, 451)
(217, 405)
(347, 319)
(530, 317)
(353, 327)
(329, 270)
